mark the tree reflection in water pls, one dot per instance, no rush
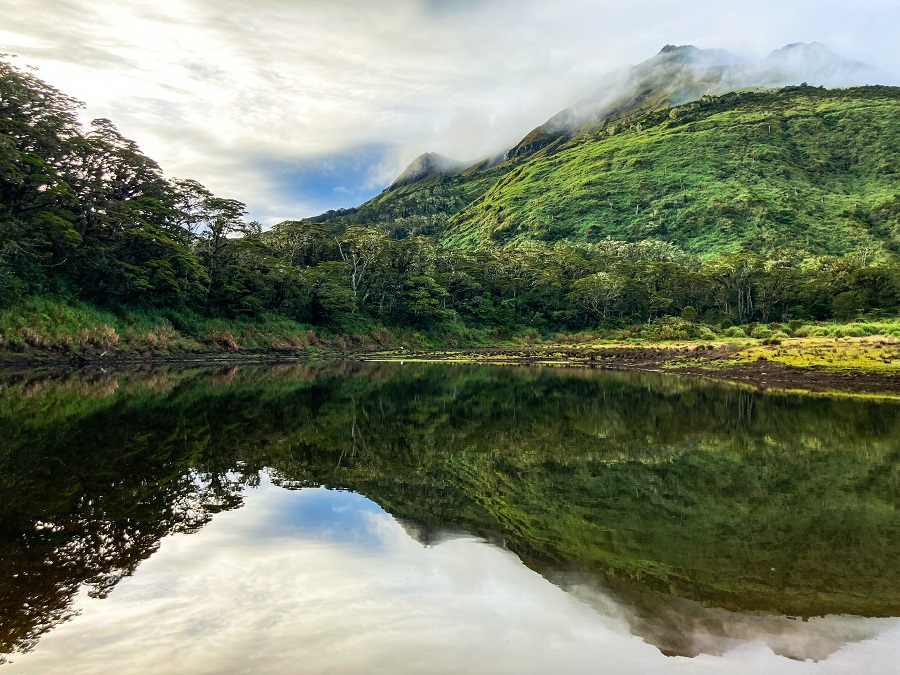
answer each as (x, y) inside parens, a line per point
(677, 498)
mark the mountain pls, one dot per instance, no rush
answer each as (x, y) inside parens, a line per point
(677, 74)
(428, 167)
(680, 74)
(704, 175)
(818, 65)
(802, 167)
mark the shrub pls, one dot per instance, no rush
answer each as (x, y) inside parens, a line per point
(32, 339)
(530, 336)
(97, 337)
(161, 337)
(223, 339)
(761, 332)
(382, 337)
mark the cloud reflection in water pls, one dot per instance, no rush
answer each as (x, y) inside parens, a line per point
(315, 580)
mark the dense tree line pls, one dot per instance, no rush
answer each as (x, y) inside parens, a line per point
(84, 214)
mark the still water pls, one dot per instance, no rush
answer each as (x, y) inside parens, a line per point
(438, 519)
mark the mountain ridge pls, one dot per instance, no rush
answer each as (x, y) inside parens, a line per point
(445, 203)
(800, 167)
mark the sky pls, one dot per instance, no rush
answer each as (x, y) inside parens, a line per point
(299, 106)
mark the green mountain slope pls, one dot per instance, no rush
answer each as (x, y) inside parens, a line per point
(649, 155)
(432, 189)
(803, 167)
(681, 74)
(419, 207)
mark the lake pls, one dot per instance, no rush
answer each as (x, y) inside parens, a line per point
(437, 518)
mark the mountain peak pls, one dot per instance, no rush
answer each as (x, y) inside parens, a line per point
(668, 49)
(797, 51)
(689, 55)
(428, 165)
(803, 46)
(816, 63)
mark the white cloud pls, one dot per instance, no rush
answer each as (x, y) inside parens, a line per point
(208, 87)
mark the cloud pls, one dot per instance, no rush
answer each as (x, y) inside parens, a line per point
(207, 87)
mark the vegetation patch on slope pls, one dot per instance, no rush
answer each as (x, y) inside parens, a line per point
(807, 168)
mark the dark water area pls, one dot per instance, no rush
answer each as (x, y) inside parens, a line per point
(442, 518)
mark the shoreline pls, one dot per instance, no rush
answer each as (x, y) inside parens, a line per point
(749, 363)
(725, 363)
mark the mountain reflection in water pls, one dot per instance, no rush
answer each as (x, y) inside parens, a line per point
(705, 520)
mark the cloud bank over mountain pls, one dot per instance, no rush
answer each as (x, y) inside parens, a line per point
(296, 107)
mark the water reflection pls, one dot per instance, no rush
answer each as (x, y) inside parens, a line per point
(693, 516)
(681, 627)
(258, 590)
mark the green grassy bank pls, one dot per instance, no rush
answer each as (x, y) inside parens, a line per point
(49, 328)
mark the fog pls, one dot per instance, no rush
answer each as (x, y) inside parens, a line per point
(271, 102)
(683, 73)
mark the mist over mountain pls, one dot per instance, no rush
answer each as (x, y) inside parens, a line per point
(428, 165)
(818, 65)
(680, 74)
(594, 170)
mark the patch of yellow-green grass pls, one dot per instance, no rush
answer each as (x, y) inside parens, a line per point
(869, 353)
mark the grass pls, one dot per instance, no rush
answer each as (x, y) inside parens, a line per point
(801, 168)
(870, 353)
(47, 326)
(50, 328)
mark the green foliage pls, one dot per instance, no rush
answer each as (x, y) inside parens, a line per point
(654, 217)
(801, 167)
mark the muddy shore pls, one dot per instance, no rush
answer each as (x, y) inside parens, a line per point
(717, 361)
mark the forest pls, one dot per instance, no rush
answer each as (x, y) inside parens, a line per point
(87, 220)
